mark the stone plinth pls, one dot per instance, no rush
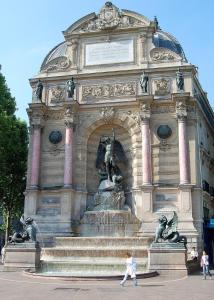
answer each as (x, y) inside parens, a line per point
(168, 258)
(22, 256)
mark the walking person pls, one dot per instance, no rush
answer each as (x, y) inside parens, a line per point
(130, 269)
(205, 265)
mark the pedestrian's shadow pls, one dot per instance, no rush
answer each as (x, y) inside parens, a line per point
(150, 285)
(73, 289)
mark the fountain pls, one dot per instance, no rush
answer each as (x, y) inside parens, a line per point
(107, 231)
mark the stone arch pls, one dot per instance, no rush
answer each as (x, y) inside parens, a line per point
(89, 135)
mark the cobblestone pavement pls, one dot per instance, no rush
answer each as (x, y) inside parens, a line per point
(16, 285)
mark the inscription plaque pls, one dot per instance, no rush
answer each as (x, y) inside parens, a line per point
(109, 52)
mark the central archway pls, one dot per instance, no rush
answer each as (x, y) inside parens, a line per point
(92, 178)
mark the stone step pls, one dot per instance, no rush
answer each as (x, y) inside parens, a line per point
(100, 242)
(90, 267)
(94, 252)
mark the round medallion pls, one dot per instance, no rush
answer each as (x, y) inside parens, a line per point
(164, 131)
(55, 137)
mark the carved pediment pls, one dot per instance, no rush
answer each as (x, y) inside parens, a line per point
(109, 17)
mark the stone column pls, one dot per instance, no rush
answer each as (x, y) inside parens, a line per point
(68, 166)
(35, 160)
(146, 145)
(183, 143)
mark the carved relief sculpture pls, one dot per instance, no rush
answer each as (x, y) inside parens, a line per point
(162, 55)
(162, 87)
(57, 94)
(110, 17)
(109, 90)
(107, 113)
(57, 64)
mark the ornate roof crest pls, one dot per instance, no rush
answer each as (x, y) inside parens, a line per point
(109, 16)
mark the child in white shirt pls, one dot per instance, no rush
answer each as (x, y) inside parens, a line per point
(130, 270)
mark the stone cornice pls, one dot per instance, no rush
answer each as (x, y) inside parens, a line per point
(133, 70)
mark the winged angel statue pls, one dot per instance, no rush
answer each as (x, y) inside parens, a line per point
(109, 153)
(167, 230)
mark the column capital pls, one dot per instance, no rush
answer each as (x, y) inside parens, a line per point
(145, 112)
(181, 111)
(69, 123)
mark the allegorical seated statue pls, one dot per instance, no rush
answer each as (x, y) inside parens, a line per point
(27, 234)
(109, 153)
(167, 230)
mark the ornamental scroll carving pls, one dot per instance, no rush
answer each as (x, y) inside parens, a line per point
(57, 94)
(135, 116)
(163, 55)
(57, 64)
(110, 17)
(109, 90)
(162, 87)
(107, 113)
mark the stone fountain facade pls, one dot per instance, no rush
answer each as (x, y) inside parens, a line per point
(158, 117)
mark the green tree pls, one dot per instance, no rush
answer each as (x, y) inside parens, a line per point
(13, 158)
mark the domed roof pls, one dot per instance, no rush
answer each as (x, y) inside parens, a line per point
(162, 39)
(57, 51)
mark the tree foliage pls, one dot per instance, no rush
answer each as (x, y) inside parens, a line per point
(13, 157)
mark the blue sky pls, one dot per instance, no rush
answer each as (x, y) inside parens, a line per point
(30, 29)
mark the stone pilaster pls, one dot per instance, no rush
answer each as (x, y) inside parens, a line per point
(146, 144)
(143, 39)
(68, 166)
(181, 112)
(147, 188)
(73, 44)
(36, 114)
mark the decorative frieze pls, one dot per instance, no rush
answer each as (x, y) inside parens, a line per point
(109, 90)
(55, 115)
(162, 109)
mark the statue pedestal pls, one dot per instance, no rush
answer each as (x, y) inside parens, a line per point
(168, 259)
(22, 256)
(113, 223)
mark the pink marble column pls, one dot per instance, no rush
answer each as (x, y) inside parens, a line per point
(35, 162)
(183, 152)
(146, 152)
(68, 155)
